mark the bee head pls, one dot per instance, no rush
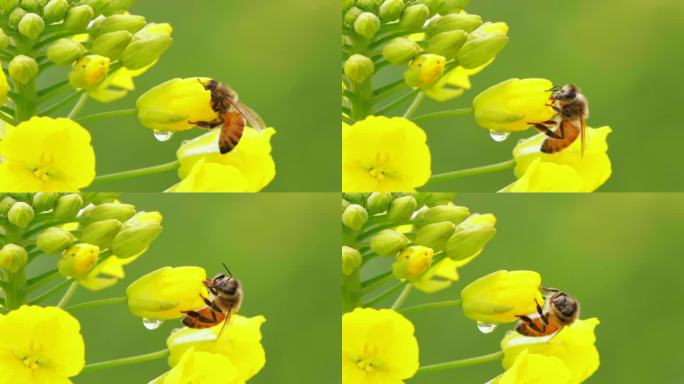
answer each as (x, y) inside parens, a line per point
(564, 307)
(223, 285)
(210, 85)
(566, 93)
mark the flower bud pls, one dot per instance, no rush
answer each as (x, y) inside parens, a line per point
(23, 69)
(501, 296)
(31, 5)
(388, 242)
(55, 11)
(378, 202)
(440, 213)
(412, 262)
(447, 44)
(16, 16)
(346, 4)
(359, 68)
(6, 203)
(345, 204)
(78, 18)
(13, 258)
(89, 72)
(96, 5)
(351, 15)
(367, 25)
(4, 39)
(351, 260)
(483, 45)
(54, 240)
(116, 6)
(390, 10)
(65, 51)
(367, 5)
(425, 70)
(44, 201)
(8, 5)
(435, 235)
(115, 23)
(454, 6)
(414, 17)
(68, 206)
(20, 214)
(111, 44)
(101, 233)
(354, 217)
(401, 208)
(31, 25)
(401, 50)
(78, 260)
(455, 21)
(471, 236)
(434, 5)
(135, 237)
(359, 198)
(147, 46)
(106, 211)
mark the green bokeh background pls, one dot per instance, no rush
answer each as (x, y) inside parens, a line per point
(276, 244)
(281, 56)
(626, 57)
(619, 254)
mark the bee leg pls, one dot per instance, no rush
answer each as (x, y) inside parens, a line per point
(191, 313)
(207, 124)
(211, 304)
(529, 322)
(541, 313)
(548, 132)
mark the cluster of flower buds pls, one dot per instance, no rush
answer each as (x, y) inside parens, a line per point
(91, 36)
(92, 234)
(429, 36)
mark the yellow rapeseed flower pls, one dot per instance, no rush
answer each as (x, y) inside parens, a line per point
(425, 70)
(499, 296)
(383, 154)
(412, 262)
(212, 177)
(378, 347)
(89, 72)
(240, 342)
(532, 368)
(118, 84)
(40, 345)
(564, 171)
(252, 156)
(573, 345)
(46, 155)
(165, 293)
(201, 367)
(511, 105)
(4, 87)
(78, 260)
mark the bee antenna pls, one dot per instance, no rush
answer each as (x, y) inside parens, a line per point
(230, 274)
(554, 88)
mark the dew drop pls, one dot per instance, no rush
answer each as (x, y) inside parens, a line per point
(499, 136)
(151, 324)
(486, 327)
(163, 135)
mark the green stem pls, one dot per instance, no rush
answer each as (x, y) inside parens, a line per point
(442, 177)
(42, 280)
(414, 105)
(78, 107)
(402, 297)
(15, 293)
(438, 304)
(54, 107)
(96, 303)
(387, 293)
(444, 114)
(386, 108)
(126, 361)
(26, 101)
(68, 294)
(460, 363)
(106, 115)
(136, 173)
(50, 292)
(362, 100)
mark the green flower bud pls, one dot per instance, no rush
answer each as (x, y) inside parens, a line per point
(455, 21)
(54, 240)
(78, 260)
(388, 242)
(435, 6)
(31, 5)
(8, 5)
(23, 69)
(354, 217)
(351, 260)
(435, 235)
(401, 50)
(106, 211)
(145, 50)
(22, 196)
(357, 198)
(454, 6)
(65, 51)
(440, 213)
(101, 233)
(96, 5)
(55, 11)
(20, 214)
(135, 238)
(359, 68)
(378, 202)
(111, 44)
(16, 16)
(390, 10)
(367, 25)
(351, 15)
(412, 262)
(31, 25)
(432, 199)
(402, 208)
(4, 39)
(13, 258)
(68, 206)
(130, 23)
(471, 236)
(414, 17)
(481, 48)
(367, 5)
(89, 72)
(345, 204)
(6, 203)
(346, 4)
(78, 18)
(425, 70)
(116, 6)
(44, 201)
(447, 44)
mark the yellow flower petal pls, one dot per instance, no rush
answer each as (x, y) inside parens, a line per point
(532, 368)
(212, 177)
(117, 85)
(547, 177)
(201, 367)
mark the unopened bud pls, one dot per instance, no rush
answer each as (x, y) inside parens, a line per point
(13, 258)
(106, 211)
(96, 5)
(435, 235)
(401, 208)
(8, 5)
(391, 10)
(471, 236)
(367, 5)
(401, 50)
(44, 201)
(359, 198)
(414, 17)
(54, 240)
(116, 6)
(78, 260)
(20, 214)
(31, 5)
(23, 69)
(78, 18)
(367, 25)
(144, 51)
(101, 233)
(434, 5)
(388, 242)
(351, 15)
(16, 16)
(4, 39)
(483, 47)
(412, 262)
(425, 70)
(447, 44)
(111, 44)
(378, 202)
(134, 238)
(31, 25)
(454, 6)
(89, 72)
(455, 21)
(440, 213)
(359, 68)
(130, 23)
(6, 203)
(354, 217)
(55, 11)
(68, 206)
(351, 260)
(65, 51)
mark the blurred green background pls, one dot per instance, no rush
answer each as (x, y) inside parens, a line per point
(281, 56)
(618, 254)
(276, 244)
(625, 55)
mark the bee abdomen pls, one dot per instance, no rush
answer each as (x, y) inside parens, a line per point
(233, 129)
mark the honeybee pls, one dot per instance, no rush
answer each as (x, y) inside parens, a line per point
(572, 111)
(232, 115)
(560, 310)
(226, 298)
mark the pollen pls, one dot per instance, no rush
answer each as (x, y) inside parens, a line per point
(377, 173)
(42, 174)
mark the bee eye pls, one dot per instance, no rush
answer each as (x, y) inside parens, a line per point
(571, 95)
(229, 291)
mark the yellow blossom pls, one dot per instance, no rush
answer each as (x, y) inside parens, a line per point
(500, 296)
(383, 154)
(118, 84)
(89, 71)
(425, 70)
(78, 260)
(212, 177)
(200, 367)
(454, 83)
(40, 345)
(412, 262)
(511, 105)
(573, 345)
(165, 293)
(378, 347)
(240, 342)
(532, 368)
(4, 88)
(46, 155)
(252, 156)
(564, 171)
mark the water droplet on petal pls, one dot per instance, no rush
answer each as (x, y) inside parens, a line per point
(499, 136)
(486, 327)
(163, 135)
(151, 324)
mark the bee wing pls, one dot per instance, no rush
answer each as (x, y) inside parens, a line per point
(253, 119)
(225, 322)
(583, 133)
